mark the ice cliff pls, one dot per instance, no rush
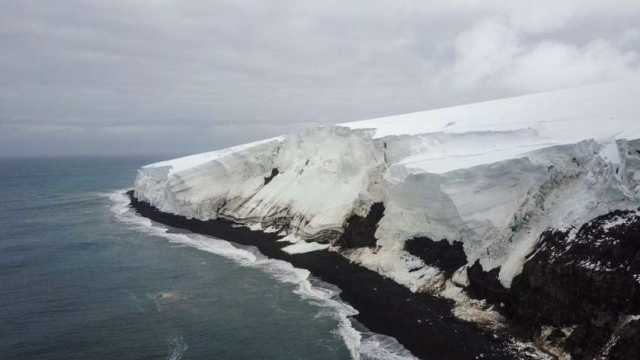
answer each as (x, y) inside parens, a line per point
(469, 197)
(492, 175)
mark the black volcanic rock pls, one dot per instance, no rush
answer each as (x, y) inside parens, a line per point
(485, 285)
(446, 256)
(585, 281)
(274, 173)
(360, 231)
(589, 281)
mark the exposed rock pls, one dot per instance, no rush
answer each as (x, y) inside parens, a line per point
(485, 285)
(586, 279)
(446, 256)
(360, 231)
(578, 286)
(274, 173)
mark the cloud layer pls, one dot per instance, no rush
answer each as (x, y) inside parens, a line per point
(165, 76)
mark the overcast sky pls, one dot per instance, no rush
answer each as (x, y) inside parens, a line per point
(168, 76)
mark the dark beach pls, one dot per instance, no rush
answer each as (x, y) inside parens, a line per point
(422, 323)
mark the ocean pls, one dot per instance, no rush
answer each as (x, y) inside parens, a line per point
(83, 277)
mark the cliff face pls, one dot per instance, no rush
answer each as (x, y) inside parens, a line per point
(526, 202)
(579, 290)
(587, 281)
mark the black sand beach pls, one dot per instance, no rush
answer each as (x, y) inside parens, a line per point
(423, 324)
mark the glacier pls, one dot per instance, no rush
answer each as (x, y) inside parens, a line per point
(518, 210)
(492, 175)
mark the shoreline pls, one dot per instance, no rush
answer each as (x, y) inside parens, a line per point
(422, 323)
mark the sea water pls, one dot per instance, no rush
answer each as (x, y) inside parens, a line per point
(84, 277)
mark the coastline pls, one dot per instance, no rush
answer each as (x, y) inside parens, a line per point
(422, 323)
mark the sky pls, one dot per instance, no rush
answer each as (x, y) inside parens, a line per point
(124, 77)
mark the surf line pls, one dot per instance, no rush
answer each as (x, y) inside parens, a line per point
(422, 323)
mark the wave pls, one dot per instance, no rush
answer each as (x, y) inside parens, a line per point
(177, 348)
(363, 345)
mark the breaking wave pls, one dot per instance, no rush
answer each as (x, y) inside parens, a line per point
(361, 344)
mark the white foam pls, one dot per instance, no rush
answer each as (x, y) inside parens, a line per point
(372, 346)
(120, 207)
(381, 347)
(177, 348)
(304, 247)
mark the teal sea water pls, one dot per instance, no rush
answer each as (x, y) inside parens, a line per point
(81, 277)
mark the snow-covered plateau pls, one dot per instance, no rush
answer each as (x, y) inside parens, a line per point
(477, 185)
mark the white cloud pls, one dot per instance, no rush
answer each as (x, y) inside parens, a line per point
(496, 55)
(258, 68)
(550, 65)
(482, 53)
(546, 16)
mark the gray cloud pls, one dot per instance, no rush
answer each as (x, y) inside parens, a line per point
(164, 76)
